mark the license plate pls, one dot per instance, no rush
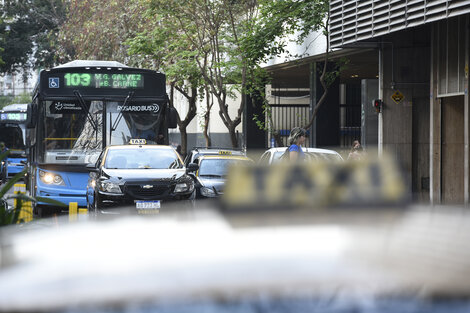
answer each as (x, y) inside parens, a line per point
(147, 205)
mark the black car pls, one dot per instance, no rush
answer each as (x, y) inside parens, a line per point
(142, 176)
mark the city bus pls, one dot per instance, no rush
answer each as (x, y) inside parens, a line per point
(13, 119)
(81, 107)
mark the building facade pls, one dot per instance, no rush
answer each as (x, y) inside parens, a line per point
(423, 52)
(413, 55)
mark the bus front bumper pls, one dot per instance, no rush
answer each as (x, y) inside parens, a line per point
(63, 195)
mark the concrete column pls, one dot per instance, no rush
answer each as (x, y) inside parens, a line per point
(466, 119)
(313, 102)
(380, 136)
(434, 126)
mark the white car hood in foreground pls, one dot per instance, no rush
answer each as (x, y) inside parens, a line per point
(201, 255)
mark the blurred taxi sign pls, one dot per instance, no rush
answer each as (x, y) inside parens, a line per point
(287, 185)
(137, 141)
(225, 152)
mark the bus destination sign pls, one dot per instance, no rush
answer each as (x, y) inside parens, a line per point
(104, 80)
(13, 116)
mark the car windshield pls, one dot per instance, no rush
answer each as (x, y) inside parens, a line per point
(277, 155)
(138, 158)
(217, 167)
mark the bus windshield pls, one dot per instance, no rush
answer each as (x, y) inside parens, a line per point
(13, 136)
(134, 120)
(74, 131)
(72, 135)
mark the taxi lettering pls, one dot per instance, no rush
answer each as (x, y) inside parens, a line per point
(314, 185)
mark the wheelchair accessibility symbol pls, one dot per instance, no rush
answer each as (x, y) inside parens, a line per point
(53, 82)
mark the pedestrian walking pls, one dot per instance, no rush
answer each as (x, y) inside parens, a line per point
(296, 140)
(357, 152)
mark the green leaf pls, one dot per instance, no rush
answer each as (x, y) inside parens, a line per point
(12, 181)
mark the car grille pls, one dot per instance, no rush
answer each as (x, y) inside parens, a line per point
(147, 190)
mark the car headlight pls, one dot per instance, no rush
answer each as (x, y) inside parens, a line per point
(110, 187)
(51, 178)
(208, 192)
(184, 187)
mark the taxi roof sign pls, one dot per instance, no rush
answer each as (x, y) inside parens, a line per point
(315, 185)
(225, 152)
(138, 142)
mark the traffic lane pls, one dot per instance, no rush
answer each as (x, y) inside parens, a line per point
(178, 258)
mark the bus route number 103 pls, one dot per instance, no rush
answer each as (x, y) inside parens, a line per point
(77, 79)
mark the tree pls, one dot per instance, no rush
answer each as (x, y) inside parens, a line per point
(27, 29)
(212, 31)
(98, 31)
(164, 46)
(278, 20)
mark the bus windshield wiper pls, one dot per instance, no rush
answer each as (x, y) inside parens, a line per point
(84, 107)
(118, 118)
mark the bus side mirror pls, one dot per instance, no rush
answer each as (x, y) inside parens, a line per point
(31, 114)
(172, 121)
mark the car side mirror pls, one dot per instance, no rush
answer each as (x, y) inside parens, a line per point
(91, 167)
(192, 167)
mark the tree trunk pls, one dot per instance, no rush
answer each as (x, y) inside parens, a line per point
(183, 124)
(233, 136)
(184, 141)
(206, 129)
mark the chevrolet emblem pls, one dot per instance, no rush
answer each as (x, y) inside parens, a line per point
(147, 186)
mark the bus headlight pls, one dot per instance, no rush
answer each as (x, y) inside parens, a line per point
(107, 186)
(51, 178)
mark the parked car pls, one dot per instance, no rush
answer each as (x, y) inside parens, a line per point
(314, 154)
(139, 175)
(211, 175)
(196, 152)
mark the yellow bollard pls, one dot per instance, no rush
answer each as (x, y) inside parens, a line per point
(26, 213)
(17, 189)
(82, 214)
(26, 210)
(73, 210)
